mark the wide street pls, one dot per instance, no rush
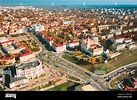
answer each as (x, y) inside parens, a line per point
(98, 81)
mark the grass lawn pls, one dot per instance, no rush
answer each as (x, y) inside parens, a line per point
(68, 86)
(125, 58)
(73, 78)
(1, 88)
(34, 89)
(46, 85)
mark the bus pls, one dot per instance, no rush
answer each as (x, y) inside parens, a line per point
(88, 73)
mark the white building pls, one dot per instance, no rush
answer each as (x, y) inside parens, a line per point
(18, 82)
(97, 51)
(59, 47)
(38, 28)
(119, 40)
(112, 55)
(120, 47)
(73, 44)
(1, 31)
(116, 32)
(127, 40)
(101, 27)
(21, 30)
(25, 57)
(30, 70)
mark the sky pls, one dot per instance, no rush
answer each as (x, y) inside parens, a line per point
(67, 2)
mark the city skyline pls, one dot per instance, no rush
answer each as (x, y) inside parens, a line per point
(68, 2)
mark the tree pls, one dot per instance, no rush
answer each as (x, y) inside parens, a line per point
(93, 60)
(99, 60)
(76, 50)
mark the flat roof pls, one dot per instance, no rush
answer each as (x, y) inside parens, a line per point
(28, 65)
(85, 87)
(88, 88)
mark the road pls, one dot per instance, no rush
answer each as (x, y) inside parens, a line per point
(117, 72)
(98, 81)
(69, 67)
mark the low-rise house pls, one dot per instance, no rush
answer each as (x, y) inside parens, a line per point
(8, 60)
(119, 40)
(131, 46)
(110, 35)
(116, 32)
(127, 40)
(112, 55)
(38, 28)
(1, 31)
(120, 46)
(101, 27)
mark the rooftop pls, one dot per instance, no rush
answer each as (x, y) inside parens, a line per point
(28, 65)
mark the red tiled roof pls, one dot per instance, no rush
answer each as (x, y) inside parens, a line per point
(73, 42)
(7, 41)
(19, 44)
(135, 83)
(92, 45)
(7, 58)
(128, 39)
(58, 45)
(119, 38)
(48, 38)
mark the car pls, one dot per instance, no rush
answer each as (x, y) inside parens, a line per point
(96, 80)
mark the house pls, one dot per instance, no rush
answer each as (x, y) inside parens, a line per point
(112, 55)
(66, 22)
(119, 46)
(97, 51)
(101, 27)
(119, 40)
(38, 28)
(116, 32)
(73, 44)
(8, 60)
(1, 31)
(21, 30)
(110, 35)
(127, 40)
(58, 47)
(131, 46)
